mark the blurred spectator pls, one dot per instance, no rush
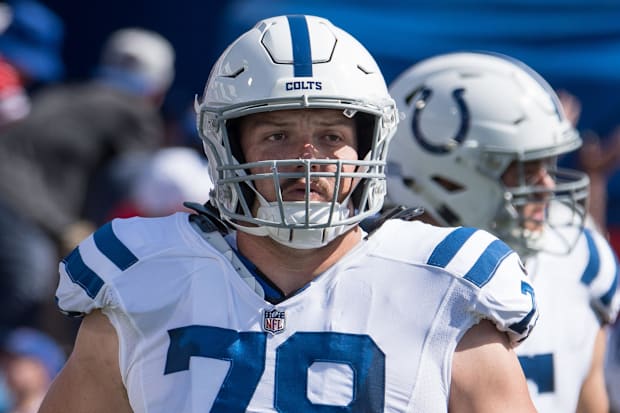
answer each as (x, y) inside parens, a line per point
(31, 360)
(571, 106)
(138, 61)
(156, 184)
(600, 158)
(49, 158)
(32, 41)
(596, 161)
(14, 101)
(31, 38)
(172, 176)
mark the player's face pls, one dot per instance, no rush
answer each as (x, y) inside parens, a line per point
(300, 134)
(533, 174)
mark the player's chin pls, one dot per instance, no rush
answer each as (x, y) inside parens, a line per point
(534, 225)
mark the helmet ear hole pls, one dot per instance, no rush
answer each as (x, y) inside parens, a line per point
(233, 130)
(447, 184)
(365, 126)
(365, 129)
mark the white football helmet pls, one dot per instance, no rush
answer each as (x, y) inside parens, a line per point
(468, 117)
(295, 62)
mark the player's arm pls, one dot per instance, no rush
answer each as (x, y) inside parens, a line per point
(486, 375)
(91, 380)
(593, 396)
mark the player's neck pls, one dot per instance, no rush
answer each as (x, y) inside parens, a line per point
(288, 268)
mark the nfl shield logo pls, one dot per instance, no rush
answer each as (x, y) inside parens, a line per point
(273, 321)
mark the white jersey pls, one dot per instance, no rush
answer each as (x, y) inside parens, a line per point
(375, 332)
(576, 294)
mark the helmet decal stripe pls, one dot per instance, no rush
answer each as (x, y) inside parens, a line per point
(300, 39)
(461, 134)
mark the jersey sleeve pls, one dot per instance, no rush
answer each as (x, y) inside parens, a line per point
(88, 273)
(504, 294)
(509, 299)
(601, 276)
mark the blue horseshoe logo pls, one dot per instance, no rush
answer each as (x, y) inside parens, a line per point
(426, 93)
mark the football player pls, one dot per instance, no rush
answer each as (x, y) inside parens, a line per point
(478, 147)
(272, 297)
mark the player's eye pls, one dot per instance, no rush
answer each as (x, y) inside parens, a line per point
(333, 138)
(275, 137)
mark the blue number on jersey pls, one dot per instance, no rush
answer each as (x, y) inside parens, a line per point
(221, 344)
(246, 353)
(539, 369)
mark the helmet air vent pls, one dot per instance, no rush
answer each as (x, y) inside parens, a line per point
(235, 73)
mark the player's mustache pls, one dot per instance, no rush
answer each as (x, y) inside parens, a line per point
(316, 184)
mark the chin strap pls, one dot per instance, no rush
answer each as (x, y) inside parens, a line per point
(213, 230)
(210, 217)
(399, 212)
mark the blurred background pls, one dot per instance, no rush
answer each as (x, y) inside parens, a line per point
(75, 153)
(575, 44)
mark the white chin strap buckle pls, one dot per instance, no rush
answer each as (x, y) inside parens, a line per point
(319, 213)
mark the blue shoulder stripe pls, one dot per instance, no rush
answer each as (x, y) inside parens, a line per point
(447, 249)
(80, 274)
(594, 262)
(521, 326)
(302, 53)
(113, 248)
(487, 264)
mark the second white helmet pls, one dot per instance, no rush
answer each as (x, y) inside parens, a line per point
(468, 116)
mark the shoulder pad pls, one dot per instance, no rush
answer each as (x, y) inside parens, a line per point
(88, 271)
(477, 258)
(206, 218)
